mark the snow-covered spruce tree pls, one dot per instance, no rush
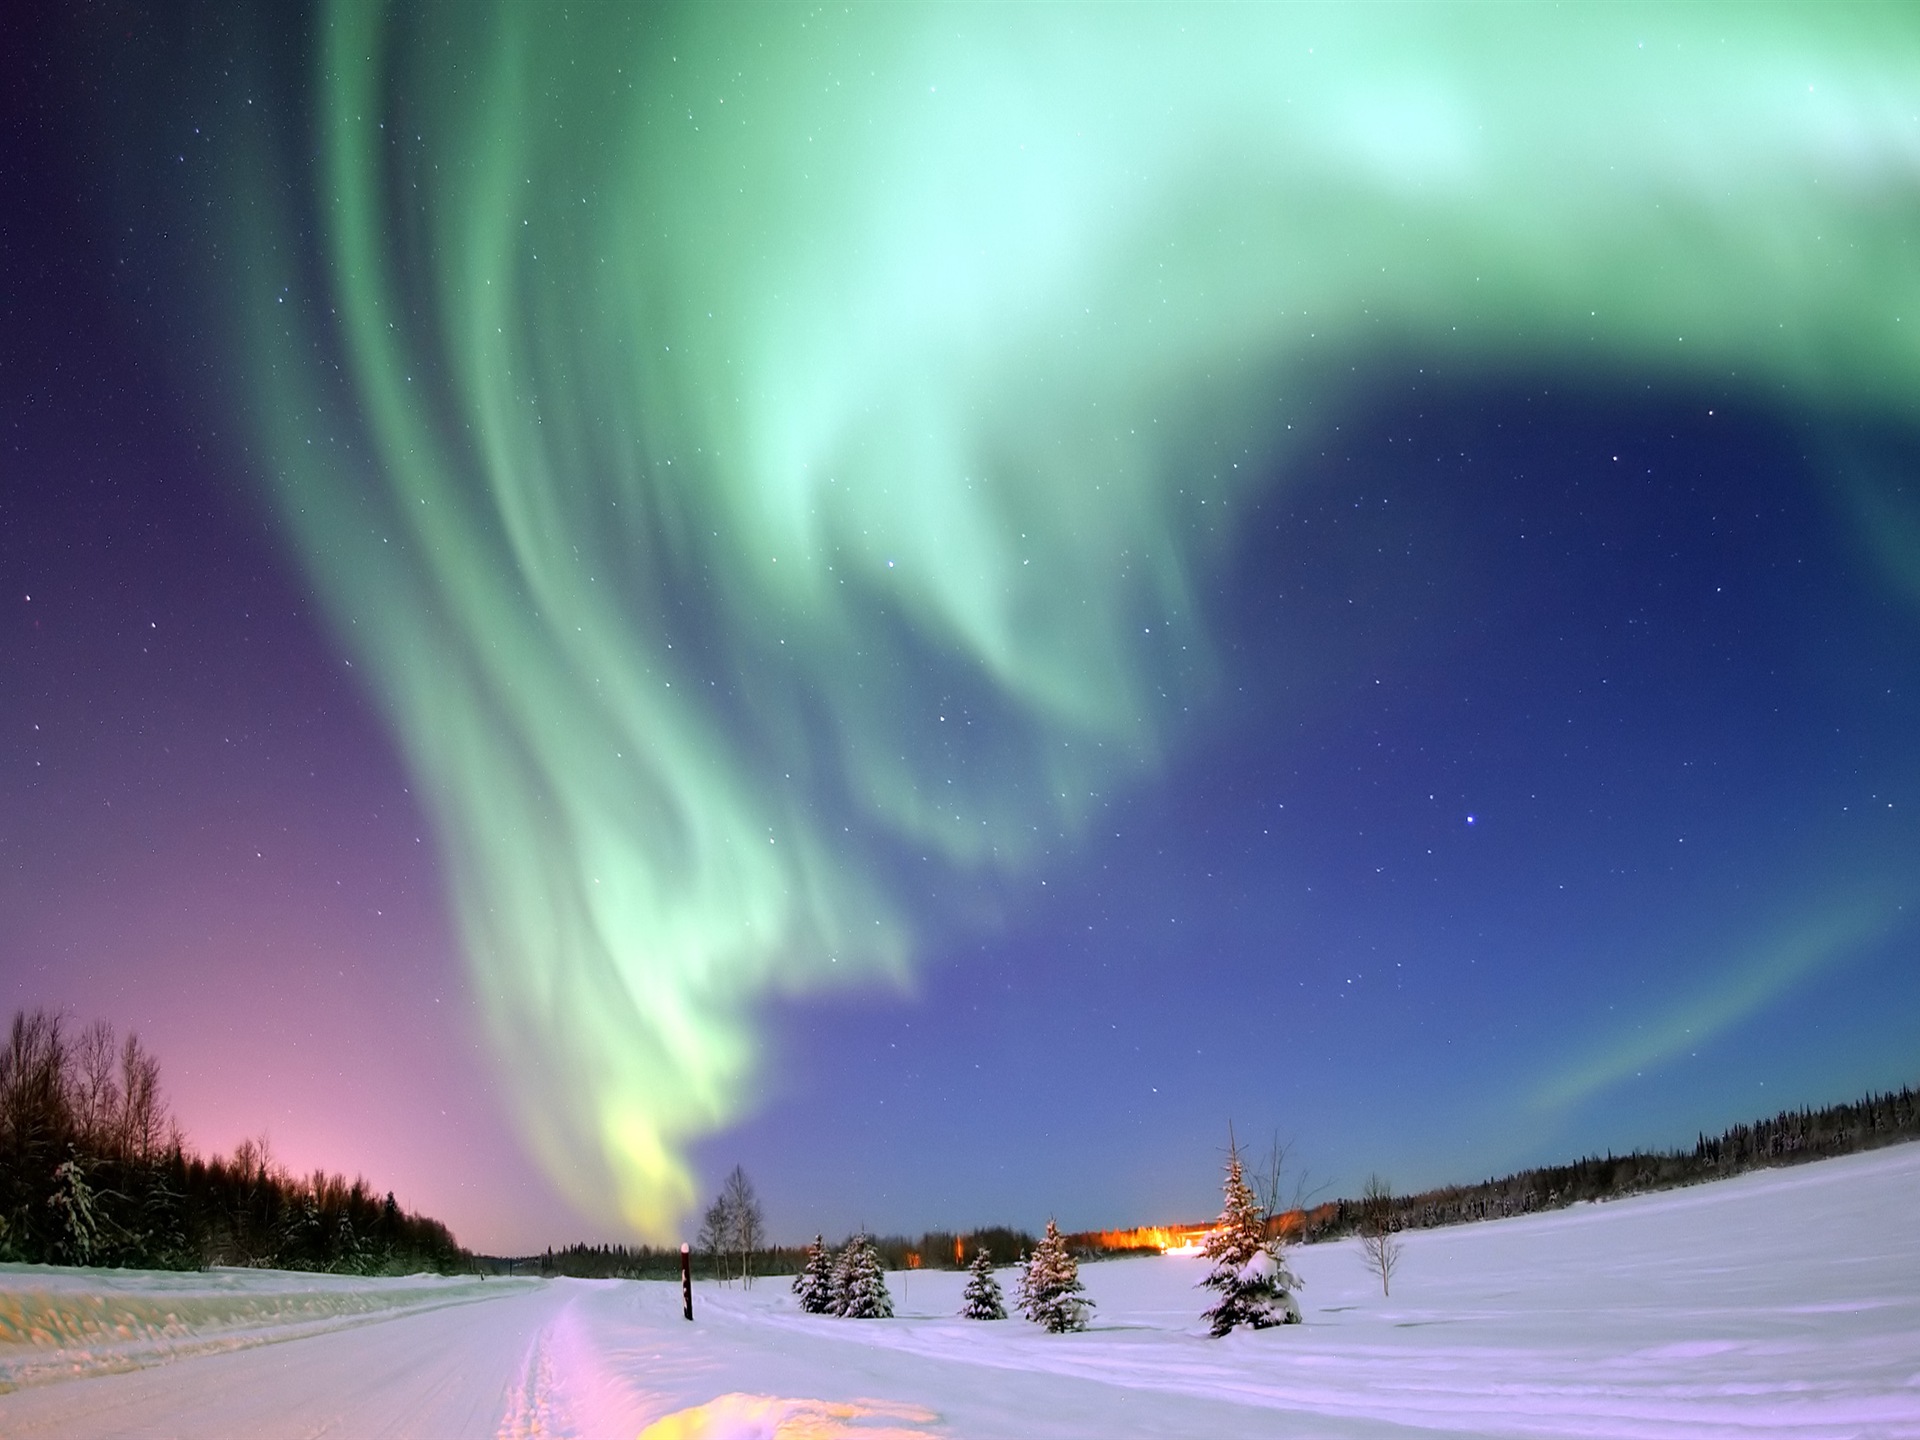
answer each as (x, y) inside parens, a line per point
(981, 1299)
(79, 1236)
(860, 1282)
(1253, 1282)
(1052, 1294)
(840, 1279)
(814, 1283)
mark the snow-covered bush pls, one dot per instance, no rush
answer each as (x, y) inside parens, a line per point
(981, 1299)
(860, 1282)
(1050, 1292)
(1251, 1277)
(814, 1283)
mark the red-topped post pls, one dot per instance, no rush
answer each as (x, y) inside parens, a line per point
(686, 1279)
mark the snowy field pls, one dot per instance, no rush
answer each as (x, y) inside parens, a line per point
(1784, 1303)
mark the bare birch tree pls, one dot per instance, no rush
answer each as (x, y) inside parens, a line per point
(716, 1236)
(749, 1227)
(734, 1228)
(1377, 1241)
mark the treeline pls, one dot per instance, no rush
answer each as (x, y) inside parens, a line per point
(593, 1262)
(935, 1250)
(953, 1250)
(1788, 1138)
(94, 1171)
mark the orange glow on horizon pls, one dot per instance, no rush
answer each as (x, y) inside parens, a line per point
(1166, 1239)
(1186, 1239)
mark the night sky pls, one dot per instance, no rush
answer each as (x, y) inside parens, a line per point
(943, 605)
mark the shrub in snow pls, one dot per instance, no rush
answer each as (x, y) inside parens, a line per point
(1253, 1282)
(814, 1283)
(1050, 1292)
(860, 1283)
(981, 1299)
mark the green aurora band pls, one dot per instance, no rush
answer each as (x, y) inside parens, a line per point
(693, 417)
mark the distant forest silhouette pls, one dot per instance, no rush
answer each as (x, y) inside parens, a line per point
(94, 1171)
(935, 1250)
(1789, 1138)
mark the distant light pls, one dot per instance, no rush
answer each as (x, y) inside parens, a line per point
(1469, 819)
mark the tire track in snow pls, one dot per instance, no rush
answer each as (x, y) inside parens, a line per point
(537, 1408)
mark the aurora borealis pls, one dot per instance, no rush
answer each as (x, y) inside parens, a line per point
(794, 482)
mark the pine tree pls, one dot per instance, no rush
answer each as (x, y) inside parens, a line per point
(1252, 1279)
(1052, 1294)
(814, 1283)
(860, 1282)
(981, 1300)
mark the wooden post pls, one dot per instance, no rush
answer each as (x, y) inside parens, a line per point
(686, 1279)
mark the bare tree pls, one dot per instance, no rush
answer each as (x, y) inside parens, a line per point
(1280, 1192)
(1377, 1241)
(143, 1115)
(36, 1115)
(96, 1097)
(716, 1235)
(734, 1229)
(749, 1223)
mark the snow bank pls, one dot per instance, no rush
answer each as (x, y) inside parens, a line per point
(60, 1323)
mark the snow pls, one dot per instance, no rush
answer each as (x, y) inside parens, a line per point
(1259, 1267)
(1781, 1303)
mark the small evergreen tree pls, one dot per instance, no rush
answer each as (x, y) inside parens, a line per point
(1051, 1293)
(814, 1283)
(1253, 1282)
(842, 1279)
(79, 1238)
(860, 1282)
(1022, 1267)
(981, 1299)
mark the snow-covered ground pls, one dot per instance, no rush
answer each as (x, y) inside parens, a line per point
(1780, 1303)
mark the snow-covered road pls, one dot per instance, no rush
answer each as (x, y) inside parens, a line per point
(434, 1363)
(1784, 1303)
